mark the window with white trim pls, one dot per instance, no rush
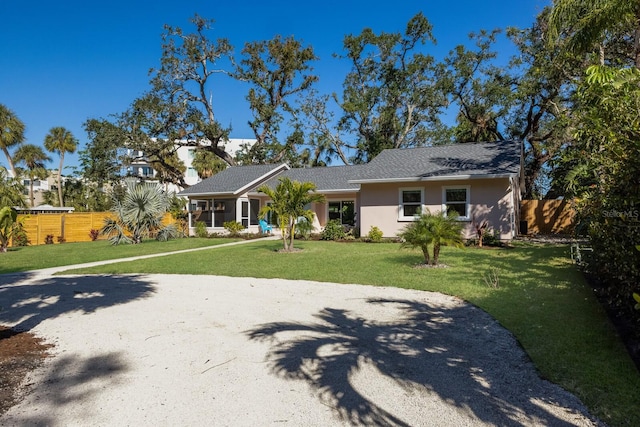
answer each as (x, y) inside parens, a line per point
(410, 204)
(456, 199)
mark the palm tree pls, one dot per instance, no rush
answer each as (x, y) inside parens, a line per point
(33, 158)
(288, 202)
(207, 164)
(61, 140)
(139, 216)
(446, 231)
(432, 229)
(8, 219)
(590, 20)
(11, 133)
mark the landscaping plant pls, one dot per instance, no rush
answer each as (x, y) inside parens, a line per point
(139, 215)
(333, 230)
(233, 227)
(8, 219)
(288, 201)
(432, 231)
(375, 234)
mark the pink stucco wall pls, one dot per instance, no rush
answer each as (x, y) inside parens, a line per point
(490, 199)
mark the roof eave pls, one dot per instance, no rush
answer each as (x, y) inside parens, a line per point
(432, 178)
(208, 194)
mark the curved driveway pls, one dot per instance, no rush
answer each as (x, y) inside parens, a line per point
(152, 350)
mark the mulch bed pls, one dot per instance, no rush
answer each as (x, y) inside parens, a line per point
(20, 353)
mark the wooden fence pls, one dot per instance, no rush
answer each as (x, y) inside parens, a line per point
(72, 227)
(547, 216)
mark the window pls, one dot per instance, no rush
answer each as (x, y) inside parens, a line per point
(344, 211)
(411, 201)
(191, 154)
(456, 199)
(254, 211)
(223, 210)
(192, 173)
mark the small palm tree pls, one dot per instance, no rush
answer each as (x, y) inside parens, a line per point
(33, 158)
(139, 215)
(432, 230)
(8, 219)
(446, 231)
(289, 199)
(61, 140)
(11, 133)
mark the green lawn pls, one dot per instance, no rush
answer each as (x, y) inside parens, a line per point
(44, 256)
(542, 299)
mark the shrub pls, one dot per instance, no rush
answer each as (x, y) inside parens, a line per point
(48, 240)
(201, 229)
(304, 228)
(333, 231)
(375, 234)
(61, 239)
(19, 237)
(234, 228)
(93, 234)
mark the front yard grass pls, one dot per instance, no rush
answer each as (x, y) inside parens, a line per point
(541, 298)
(44, 256)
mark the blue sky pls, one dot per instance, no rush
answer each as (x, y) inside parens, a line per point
(64, 62)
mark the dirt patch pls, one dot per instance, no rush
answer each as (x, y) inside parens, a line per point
(20, 353)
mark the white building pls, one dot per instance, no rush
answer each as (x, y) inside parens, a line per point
(141, 168)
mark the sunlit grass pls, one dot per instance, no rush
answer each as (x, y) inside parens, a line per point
(45, 256)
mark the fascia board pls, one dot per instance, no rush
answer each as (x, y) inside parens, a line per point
(263, 178)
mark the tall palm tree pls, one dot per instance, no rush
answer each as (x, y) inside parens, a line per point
(61, 140)
(288, 202)
(590, 20)
(11, 133)
(34, 159)
(139, 215)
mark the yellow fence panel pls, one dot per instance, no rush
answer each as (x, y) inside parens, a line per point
(72, 227)
(548, 216)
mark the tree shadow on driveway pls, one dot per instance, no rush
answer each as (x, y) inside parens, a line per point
(456, 353)
(27, 301)
(70, 382)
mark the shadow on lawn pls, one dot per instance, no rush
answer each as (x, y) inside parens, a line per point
(460, 354)
(26, 302)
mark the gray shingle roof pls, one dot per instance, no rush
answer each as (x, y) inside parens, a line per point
(500, 158)
(327, 179)
(234, 180)
(453, 160)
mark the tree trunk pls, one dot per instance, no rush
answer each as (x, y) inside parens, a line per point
(425, 252)
(292, 235)
(10, 161)
(436, 252)
(60, 179)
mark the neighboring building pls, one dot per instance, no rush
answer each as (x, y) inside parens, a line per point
(479, 181)
(140, 167)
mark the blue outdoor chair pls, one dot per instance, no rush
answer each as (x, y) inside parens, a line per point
(264, 227)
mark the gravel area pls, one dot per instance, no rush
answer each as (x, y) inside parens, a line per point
(152, 350)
